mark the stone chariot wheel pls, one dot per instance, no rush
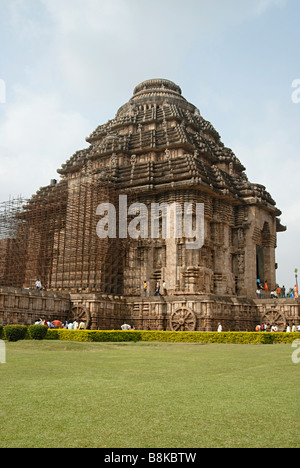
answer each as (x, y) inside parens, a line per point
(183, 319)
(80, 314)
(274, 318)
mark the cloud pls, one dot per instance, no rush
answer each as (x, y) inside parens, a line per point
(103, 48)
(263, 5)
(266, 143)
(36, 137)
(71, 64)
(94, 51)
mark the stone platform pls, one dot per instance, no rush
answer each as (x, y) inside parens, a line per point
(178, 313)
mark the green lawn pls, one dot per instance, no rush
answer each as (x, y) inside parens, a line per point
(148, 395)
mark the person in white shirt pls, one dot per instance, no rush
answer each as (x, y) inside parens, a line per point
(220, 328)
(125, 326)
(258, 293)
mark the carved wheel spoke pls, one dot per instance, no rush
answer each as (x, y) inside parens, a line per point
(80, 314)
(183, 320)
(275, 318)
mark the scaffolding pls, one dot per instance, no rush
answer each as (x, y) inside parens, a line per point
(52, 238)
(10, 249)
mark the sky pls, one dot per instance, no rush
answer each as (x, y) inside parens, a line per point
(66, 66)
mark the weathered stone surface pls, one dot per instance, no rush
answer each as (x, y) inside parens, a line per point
(157, 149)
(22, 306)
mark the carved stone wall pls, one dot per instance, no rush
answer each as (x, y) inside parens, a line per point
(177, 313)
(24, 307)
(157, 149)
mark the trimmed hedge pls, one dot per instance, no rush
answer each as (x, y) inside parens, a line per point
(15, 332)
(93, 335)
(37, 332)
(40, 332)
(168, 336)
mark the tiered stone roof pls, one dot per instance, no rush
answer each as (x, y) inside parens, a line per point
(159, 139)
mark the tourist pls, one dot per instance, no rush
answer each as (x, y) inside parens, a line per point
(278, 290)
(57, 324)
(125, 327)
(70, 326)
(38, 322)
(283, 291)
(257, 328)
(274, 295)
(288, 329)
(258, 293)
(165, 292)
(38, 285)
(50, 325)
(157, 289)
(45, 323)
(145, 287)
(266, 287)
(294, 328)
(75, 325)
(82, 326)
(220, 328)
(298, 328)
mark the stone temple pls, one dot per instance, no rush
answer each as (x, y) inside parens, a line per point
(157, 150)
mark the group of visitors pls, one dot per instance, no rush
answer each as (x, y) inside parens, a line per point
(157, 289)
(264, 328)
(57, 324)
(278, 293)
(126, 327)
(292, 328)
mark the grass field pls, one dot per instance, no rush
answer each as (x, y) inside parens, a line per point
(148, 395)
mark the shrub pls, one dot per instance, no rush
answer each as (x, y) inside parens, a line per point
(115, 336)
(15, 332)
(37, 332)
(67, 335)
(93, 335)
(169, 336)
